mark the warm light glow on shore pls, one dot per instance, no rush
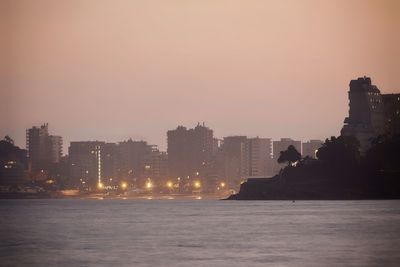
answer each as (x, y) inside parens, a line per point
(169, 184)
(100, 185)
(222, 184)
(197, 184)
(124, 185)
(149, 185)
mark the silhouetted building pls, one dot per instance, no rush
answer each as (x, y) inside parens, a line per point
(391, 106)
(61, 173)
(44, 150)
(153, 168)
(310, 148)
(109, 166)
(177, 152)
(190, 154)
(85, 162)
(283, 145)
(158, 167)
(55, 148)
(134, 161)
(259, 157)
(366, 113)
(13, 164)
(240, 157)
(37, 146)
(95, 162)
(231, 161)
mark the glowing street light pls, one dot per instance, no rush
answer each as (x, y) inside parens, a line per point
(100, 185)
(149, 185)
(222, 184)
(124, 185)
(169, 184)
(197, 184)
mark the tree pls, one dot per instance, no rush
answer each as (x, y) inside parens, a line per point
(384, 154)
(290, 155)
(8, 139)
(340, 151)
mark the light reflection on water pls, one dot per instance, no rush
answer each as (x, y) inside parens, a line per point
(128, 232)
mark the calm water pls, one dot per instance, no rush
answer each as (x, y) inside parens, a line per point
(199, 233)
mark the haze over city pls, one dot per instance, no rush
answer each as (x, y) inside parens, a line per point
(114, 70)
(200, 133)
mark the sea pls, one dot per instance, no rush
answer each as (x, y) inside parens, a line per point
(190, 232)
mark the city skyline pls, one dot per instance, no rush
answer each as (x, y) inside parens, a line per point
(197, 161)
(200, 133)
(64, 145)
(239, 70)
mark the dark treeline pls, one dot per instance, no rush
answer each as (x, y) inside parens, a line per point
(339, 172)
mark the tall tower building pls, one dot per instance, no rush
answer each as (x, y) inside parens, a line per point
(240, 157)
(43, 149)
(366, 112)
(159, 167)
(190, 153)
(259, 152)
(55, 148)
(232, 160)
(134, 161)
(85, 164)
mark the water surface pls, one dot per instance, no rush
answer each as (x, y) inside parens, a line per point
(71, 232)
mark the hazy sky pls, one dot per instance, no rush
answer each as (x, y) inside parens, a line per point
(110, 70)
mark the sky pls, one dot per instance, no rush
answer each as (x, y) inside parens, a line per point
(113, 70)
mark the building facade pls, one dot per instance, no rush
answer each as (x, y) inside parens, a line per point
(135, 161)
(391, 107)
(231, 161)
(190, 156)
(240, 157)
(85, 164)
(259, 157)
(366, 112)
(44, 150)
(13, 164)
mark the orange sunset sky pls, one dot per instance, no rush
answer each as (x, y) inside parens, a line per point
(110, 70)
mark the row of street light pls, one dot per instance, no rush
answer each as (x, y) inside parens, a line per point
(149, 185)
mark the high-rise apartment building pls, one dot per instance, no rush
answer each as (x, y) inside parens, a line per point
(159, 167)
(134, 161)
(55, 148)
(43, 149)
(85, 164)
(240, 157)
(93, 163)
(109, 163)
(190, 154)
(13, 163)
(177, 150)
(231, 161)
(259, 153)
(366, 113)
